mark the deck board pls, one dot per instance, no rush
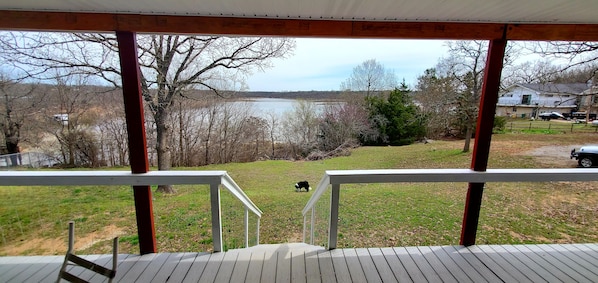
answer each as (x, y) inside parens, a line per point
(254, 272)
(437, 265)
(166, 270)
(395, 265)
(448, 262)
(541, 269)
(287, 263)
(312, 268)
(355, 269)
(209, 268)
(297, 267)
(184, 266)
(560, 262)
(229, 262)
(382, 266)
(140, 263)
(412, 268)
(269, 269)
(340, 266)
(153, 267)
(239, 272)
(488, 274)
(284, 267)
(423, 264)
(583, 258)
(498, 269)
(10, 268)
(326, 267)
(513, 266)
(52, 266)
(463, 264)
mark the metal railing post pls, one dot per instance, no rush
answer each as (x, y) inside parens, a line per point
(246, 227)
(313, 225)
(333, 222)
(216, 219)
(257, 238)
(304, 227)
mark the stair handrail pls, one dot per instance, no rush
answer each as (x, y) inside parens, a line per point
(334, 179)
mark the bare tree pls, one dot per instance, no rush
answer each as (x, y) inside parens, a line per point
(71, 118)
(170, 65)
(436, 95)
(254, 134)
(344, 124)
(273, 123)
(300, 127)
(370, 77)
(188, 124)
(466, 65)
(18, 106)
(541, 71)
(113, 131)
(571, 53)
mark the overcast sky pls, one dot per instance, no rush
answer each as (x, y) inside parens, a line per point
(322, 64)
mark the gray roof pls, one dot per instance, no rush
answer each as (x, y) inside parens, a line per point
(574, 88)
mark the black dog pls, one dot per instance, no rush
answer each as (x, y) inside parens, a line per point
(302, 185)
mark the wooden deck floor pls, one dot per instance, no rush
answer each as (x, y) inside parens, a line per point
(303, 263)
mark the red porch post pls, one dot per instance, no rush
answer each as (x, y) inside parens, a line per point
(127, 51)
(481, 149)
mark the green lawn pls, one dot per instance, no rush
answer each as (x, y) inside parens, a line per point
(33, 220)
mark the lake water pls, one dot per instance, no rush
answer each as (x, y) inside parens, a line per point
(278, 106)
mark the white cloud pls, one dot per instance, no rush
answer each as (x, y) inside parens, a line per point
(322, 64)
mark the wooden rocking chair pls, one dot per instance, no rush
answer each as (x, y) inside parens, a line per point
(72, 259)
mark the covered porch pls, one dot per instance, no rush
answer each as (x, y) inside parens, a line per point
(305, 263)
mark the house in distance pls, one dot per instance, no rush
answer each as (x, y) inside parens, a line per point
(530, 100)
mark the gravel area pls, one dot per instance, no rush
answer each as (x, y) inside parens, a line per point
(555, 155)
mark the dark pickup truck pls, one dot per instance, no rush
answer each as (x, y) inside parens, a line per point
(587, 156)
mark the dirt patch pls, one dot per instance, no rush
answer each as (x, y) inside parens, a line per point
(554, 155)
(295, 237)
(59, 246)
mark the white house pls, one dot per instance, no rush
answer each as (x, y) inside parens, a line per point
(530, 100)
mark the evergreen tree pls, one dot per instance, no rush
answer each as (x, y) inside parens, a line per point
(396, 117)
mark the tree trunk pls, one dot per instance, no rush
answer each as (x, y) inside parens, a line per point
(163, 149)
(13, 150)
(11, 136)
(467, 137)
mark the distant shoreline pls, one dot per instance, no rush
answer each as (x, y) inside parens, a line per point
(310, 95)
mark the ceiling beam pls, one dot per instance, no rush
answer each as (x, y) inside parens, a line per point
(99, 22)
(554, 32)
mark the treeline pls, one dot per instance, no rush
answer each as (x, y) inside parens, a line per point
(84, 126)
(308, 95)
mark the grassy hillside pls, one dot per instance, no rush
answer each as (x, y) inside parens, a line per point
(33, 220)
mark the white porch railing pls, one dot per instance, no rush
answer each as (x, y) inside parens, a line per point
(82, 178)
(334, 179)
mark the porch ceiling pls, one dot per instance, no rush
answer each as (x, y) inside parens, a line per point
(409, 19)
(488, 11)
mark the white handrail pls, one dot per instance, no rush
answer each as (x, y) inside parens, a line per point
(83, 178)
(232, 187)
(337, 177)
